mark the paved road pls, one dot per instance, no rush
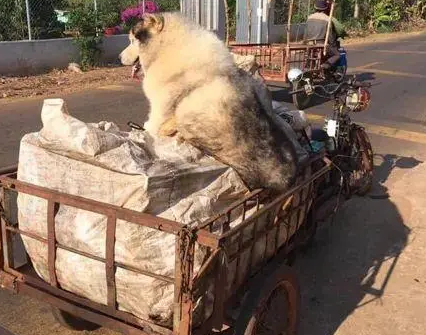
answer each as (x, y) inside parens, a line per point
(364, 275)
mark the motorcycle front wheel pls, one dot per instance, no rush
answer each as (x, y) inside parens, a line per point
(301, 100)
(363, 164)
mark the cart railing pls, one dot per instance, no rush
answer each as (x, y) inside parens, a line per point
(275, 60)
(235, 252)
(185, 242)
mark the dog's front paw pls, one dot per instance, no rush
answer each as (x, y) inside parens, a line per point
(168, 128)
(167, 132)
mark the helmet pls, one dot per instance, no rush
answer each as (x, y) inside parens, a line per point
(322, 4)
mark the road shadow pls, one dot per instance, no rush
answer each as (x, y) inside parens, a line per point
(339, 273)
(282, 94)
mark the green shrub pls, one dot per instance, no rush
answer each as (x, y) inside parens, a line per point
(386, 15)
(87, 26)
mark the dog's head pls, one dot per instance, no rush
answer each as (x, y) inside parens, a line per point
(140, 35)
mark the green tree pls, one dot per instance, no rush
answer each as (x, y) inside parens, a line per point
(84, 21)
(13, 24)
(44, 23)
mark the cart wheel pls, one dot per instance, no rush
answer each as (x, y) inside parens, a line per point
(272, 306)
(301, 100)
(72, 322)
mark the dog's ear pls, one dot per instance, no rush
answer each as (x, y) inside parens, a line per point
(149, 25)
(154, 22)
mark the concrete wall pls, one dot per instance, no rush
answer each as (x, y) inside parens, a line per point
(278, 33)
(28, 57)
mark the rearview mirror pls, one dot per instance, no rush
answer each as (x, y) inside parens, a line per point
(295, 75)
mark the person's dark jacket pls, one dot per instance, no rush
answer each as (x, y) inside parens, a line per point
(316, 29)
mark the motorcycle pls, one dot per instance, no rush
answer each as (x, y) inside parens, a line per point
(336, 74)
(345, 144)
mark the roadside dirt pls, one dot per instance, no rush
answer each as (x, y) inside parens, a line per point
(61, 81)
(380, 38)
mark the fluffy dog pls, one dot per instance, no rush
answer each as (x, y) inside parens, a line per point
(197, 92)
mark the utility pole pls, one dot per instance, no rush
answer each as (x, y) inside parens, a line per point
(27, 5)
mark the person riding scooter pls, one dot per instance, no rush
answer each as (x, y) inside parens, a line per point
(316, 31)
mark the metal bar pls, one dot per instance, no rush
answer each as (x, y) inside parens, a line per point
(203, 237)
(220, 291)
(253, 243)
(249, 244)
(285, 54)
(199, 275)
(237, 266)
(177, 308)
(290, 16)
(184, 263)
(281, 198)
(226, 224)
(27, 5)
(100, 259)
(6, 239)
(330, 22)
(234, 205)
(51, 242)
(244, 210)
(2, 232)
(109, 264)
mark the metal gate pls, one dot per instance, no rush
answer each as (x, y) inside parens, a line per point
(208, 13)
(252, 21)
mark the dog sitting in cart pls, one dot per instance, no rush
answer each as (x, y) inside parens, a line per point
(246, 249)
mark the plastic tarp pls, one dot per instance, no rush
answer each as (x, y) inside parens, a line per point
(128, 169)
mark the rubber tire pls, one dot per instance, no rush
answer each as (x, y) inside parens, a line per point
(262, 288)
(300, 100)
(72, 322)
(359, 135)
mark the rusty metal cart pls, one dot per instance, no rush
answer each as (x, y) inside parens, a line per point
(258, 282)
(276, 60)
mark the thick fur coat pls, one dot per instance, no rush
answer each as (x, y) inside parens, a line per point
(197, 92)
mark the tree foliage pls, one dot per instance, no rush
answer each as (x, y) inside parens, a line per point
(382, 15)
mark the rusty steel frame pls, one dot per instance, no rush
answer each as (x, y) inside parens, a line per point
(310, 61)
(275, 60)
(277, 211)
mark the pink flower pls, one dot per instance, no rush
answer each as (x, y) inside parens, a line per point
(132, 13)
(151, 7)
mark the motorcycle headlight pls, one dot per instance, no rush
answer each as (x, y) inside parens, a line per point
(358, 100)
(295, 75)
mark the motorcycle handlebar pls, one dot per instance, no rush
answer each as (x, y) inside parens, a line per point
(350, 82)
